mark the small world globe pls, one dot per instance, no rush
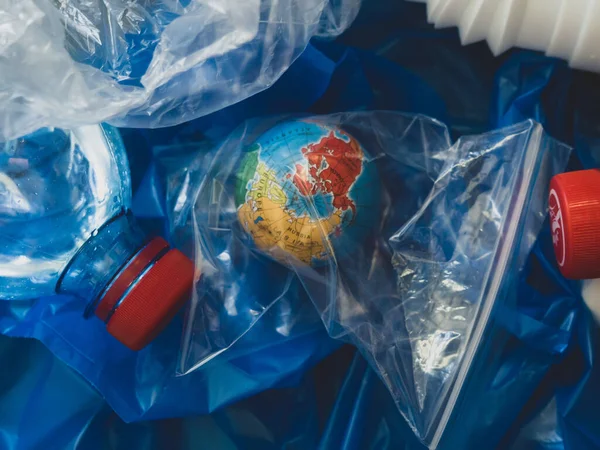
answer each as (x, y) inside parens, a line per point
(308, 191)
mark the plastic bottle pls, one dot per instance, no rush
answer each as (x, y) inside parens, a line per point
(65, 228)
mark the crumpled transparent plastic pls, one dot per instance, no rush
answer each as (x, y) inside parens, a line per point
(147, 63)
(446, 230)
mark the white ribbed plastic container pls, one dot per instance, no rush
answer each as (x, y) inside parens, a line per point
(567, 29)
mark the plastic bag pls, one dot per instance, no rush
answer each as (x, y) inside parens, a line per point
(33, 372)
(414, 288)
(458, 261)
(147, 63)
(232, 293)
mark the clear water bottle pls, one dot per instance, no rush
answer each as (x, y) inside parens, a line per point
(65, 228)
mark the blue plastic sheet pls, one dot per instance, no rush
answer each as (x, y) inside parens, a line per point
(542, 396)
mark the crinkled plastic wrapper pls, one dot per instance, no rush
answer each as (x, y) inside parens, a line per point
(147, 63)
(403, 242)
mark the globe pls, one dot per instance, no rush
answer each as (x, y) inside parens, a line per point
(308, 191)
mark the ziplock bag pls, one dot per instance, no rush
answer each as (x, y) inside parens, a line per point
(340, 203)
(458, 261)
(211, 200)
(147, 63)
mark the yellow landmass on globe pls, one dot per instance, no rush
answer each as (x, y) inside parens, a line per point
(271, 226)
(266, 186)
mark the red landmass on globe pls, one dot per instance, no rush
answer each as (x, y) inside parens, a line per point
(333, 167)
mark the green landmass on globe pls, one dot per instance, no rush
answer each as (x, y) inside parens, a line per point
(296, 190)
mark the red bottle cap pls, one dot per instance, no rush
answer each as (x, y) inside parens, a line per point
(574, 206)
(147, 294)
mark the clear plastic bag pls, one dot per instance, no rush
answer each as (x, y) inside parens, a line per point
(403, 242)
(458, 259)
(147, 63)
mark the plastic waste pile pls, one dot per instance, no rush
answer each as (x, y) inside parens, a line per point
(226, 219)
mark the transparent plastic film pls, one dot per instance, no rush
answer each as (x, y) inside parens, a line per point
(402, 241)
(458, 258)
(147, 63)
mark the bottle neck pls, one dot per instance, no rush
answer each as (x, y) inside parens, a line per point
(100, 260)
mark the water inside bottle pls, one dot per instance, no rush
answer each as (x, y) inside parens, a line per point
(57, 187)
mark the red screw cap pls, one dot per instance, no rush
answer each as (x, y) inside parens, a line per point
(147, 294)
(574, 205)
